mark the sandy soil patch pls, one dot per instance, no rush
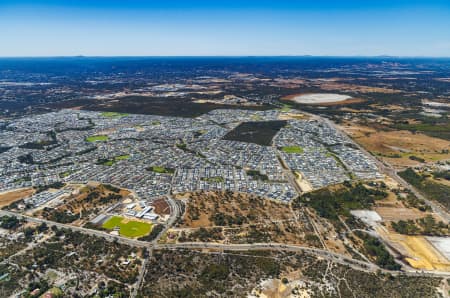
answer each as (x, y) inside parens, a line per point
(442, 244)
(9, 197)
(273, 288)
(435, 103)
(418, 251)
(349, 110)
(293, 116)
(302, 183)
(424, 255)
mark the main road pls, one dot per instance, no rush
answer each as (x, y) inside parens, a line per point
(391, 172)
(325, 254)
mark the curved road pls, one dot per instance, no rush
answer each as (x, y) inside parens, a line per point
(338, 258)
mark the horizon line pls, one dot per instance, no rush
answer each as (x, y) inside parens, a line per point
(225, 56)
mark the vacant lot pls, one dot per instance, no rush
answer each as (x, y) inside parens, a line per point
(161, 206)
(128, 228)
(398, 213)
(397, 147)
(228, 209)
(9, 197)
(240, 218)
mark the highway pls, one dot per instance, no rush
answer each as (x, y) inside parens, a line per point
(338, 258)
(86, 231)
(325, 254)
(389, 171)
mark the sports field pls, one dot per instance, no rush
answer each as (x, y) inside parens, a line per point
(292, 149)
(161, 170)
(97, 139)
(128, 228)
(113, 114)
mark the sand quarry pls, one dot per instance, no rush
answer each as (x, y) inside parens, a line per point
(426, 253)
(319, 98)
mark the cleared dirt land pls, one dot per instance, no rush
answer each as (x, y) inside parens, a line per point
(419, 252)
(9, 197)
(161, 206)
(398, 213)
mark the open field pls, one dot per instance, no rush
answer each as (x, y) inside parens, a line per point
(9, 197)
(98, 138)
(128, 228)
(397, 147)
(398, 213)
(337, 84)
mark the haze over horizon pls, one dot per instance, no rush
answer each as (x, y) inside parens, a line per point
(221, 28)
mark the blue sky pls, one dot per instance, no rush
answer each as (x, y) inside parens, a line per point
(190, 27)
